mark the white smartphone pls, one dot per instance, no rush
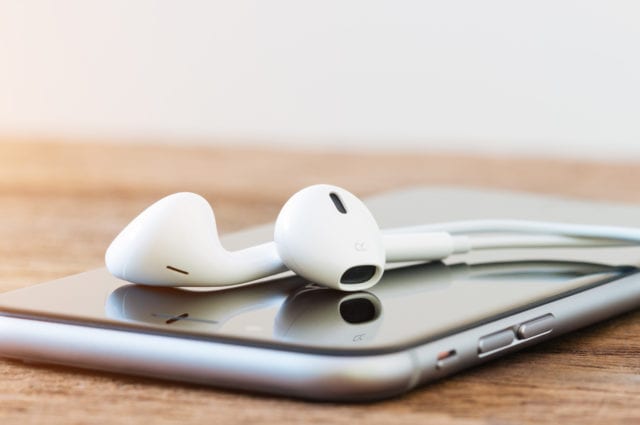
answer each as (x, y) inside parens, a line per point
(287, 336)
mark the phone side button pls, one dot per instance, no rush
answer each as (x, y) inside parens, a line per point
(495, 340)
(535, 327)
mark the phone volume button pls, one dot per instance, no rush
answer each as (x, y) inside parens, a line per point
(535, 327)
(495, 341)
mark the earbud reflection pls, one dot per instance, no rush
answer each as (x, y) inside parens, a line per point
(194, 310)
(328, 316)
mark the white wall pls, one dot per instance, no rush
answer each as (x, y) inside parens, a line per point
(547, 77)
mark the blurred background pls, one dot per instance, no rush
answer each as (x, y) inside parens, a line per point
(545, 78)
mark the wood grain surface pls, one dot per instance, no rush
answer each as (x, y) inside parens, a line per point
(61, 204)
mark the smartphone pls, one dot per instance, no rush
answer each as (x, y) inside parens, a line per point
(287, 336)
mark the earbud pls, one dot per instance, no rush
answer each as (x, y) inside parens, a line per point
(175, 242)
(328, 236)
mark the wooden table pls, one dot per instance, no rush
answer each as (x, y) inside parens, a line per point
(61, 204)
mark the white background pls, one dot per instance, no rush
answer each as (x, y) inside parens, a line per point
(546, 78)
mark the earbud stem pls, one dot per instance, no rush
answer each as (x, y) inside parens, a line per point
(255, 262)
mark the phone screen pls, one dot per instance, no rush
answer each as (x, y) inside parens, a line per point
(409, 306)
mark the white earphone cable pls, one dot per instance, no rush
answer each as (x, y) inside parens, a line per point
(537, 241)
(612, 233)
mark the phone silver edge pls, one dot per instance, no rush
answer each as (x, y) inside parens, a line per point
(306, 374)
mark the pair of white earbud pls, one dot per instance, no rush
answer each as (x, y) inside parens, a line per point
(323, 233)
